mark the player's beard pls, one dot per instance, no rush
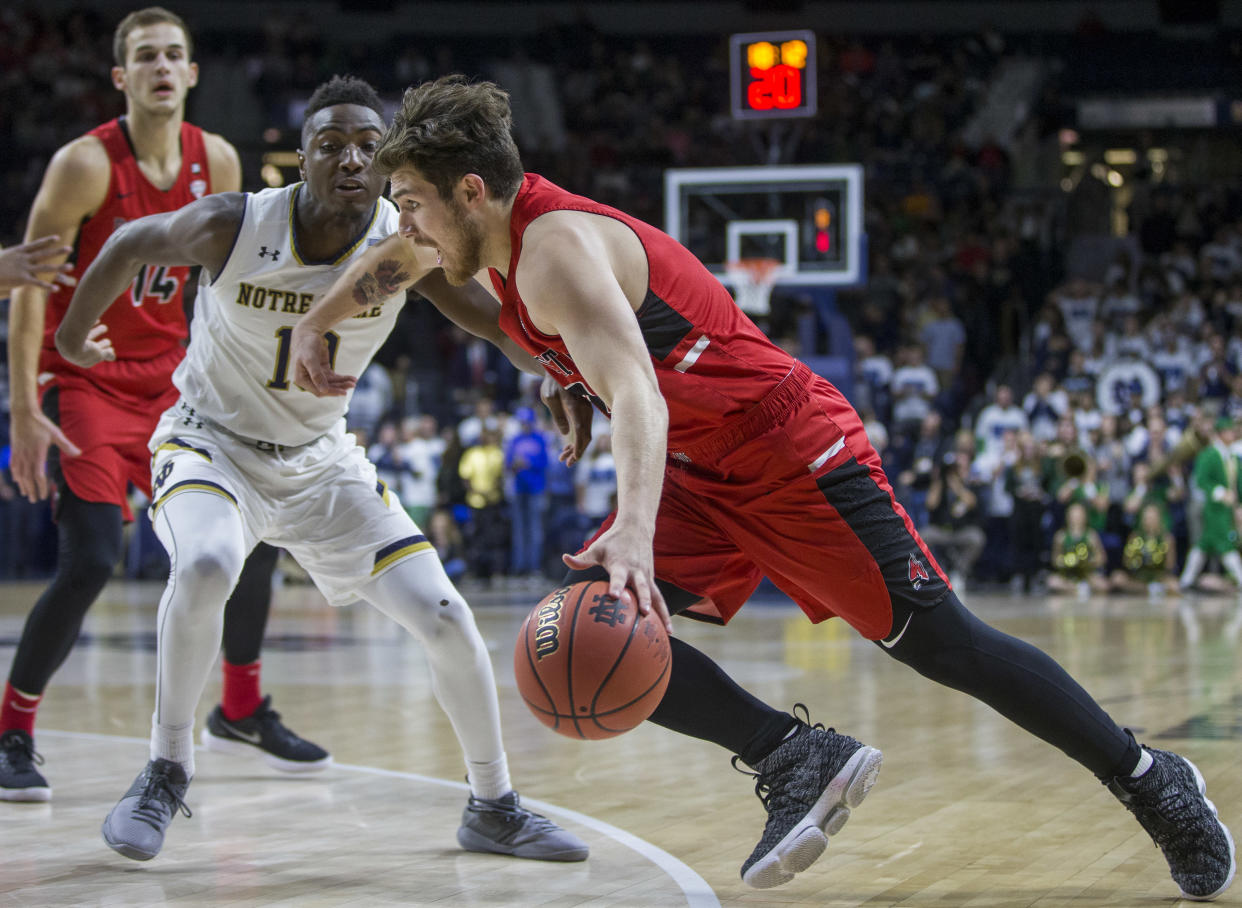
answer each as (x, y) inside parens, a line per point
(467, 258)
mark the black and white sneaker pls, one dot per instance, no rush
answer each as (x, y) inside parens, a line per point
(1169, 801)
(504, 826)
(262, 732)
(808, 785)
(19, 780)
(136, 825)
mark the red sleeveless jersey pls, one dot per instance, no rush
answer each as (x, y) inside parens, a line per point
(712, 362)
(147, 322)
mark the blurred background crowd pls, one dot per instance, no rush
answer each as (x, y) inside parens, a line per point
(1047, 348)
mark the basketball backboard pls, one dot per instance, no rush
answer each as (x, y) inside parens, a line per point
(809, 217)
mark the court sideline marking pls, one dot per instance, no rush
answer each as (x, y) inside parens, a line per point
(696, 890)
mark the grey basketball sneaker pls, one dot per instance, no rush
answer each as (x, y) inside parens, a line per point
(1169, 801)
(19, 780)
(808, 785)
(504, 826)
(135, 827)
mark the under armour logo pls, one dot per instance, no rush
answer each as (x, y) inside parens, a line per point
(275, 253)
(917, 573)
(607, 610)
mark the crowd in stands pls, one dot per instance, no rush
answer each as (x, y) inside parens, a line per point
(1040, 428)
(1096, 474)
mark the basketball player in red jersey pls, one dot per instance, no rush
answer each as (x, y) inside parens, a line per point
(99, 422)
(734, 461)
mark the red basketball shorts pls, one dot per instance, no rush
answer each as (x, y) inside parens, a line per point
(112, 431)
(792, 490)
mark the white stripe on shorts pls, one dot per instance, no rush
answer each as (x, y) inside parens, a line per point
(693, 355)
(827, 455)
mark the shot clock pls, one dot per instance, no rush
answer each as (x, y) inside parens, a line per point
(772, 75)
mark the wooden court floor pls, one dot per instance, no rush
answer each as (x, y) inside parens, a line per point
(968, 810)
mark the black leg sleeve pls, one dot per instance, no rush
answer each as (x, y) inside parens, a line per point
(948, 644)
(703, 702)
(89, 547)
(245, 614)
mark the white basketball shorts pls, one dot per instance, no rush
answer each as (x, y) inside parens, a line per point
(321, 501)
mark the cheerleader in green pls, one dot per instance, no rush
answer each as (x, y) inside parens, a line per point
(1149, 556)
(1077, 556)
(1216, 478)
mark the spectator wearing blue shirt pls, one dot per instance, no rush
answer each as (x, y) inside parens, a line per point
(526, 463)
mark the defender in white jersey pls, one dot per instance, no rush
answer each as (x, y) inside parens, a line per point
(303, 475)
(247, 455)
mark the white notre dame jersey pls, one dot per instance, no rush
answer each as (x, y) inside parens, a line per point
(236, 371)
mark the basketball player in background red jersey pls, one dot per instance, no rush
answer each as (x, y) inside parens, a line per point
(734, 461)
(88, 430)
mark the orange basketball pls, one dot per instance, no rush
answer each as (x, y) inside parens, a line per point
(590, 666)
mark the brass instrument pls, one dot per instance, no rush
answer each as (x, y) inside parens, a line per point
(1074, 464)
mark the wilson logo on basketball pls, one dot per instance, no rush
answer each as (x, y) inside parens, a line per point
(547, 633)
(917, 573)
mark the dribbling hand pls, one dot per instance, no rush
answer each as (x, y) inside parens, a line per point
(625, 554)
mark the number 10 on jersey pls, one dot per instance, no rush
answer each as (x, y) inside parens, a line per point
(284, 339)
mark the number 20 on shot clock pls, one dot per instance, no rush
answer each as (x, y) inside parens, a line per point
(772, 75)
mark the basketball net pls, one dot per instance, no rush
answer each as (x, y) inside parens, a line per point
(753, 280)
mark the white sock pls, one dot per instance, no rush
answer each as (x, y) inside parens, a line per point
(489, 780)
(1233, 564)
(1194, 564)
(1144, 763)
(174, 743)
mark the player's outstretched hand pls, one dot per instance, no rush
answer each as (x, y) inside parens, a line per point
(626, 555)
(572, 414)
(95, 348)
(31, 264)
(312, 365)
(31, 435)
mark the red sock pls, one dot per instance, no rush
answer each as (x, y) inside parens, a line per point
(241, 695)
(18, 711)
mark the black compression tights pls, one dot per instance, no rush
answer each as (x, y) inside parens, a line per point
(703, 702)
(945, 643)
(89, 536)
(948, 644)
(245, 615)
(89, 546)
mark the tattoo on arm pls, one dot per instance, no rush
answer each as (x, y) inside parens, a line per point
(390, 276)
(381, 283)
(366, 289)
